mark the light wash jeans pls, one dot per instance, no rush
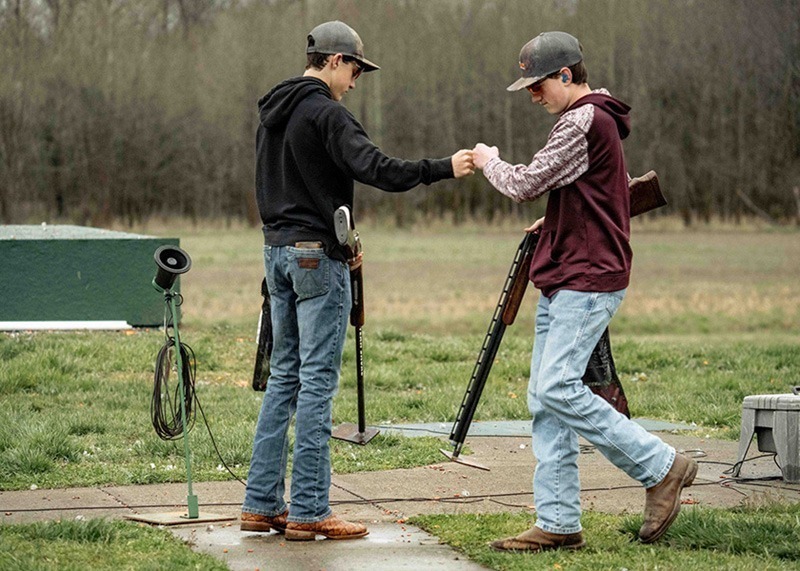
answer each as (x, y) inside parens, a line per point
(568, 326)
(310, 299)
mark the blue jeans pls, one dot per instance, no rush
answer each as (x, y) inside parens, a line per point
(568, 326)
(310, 299)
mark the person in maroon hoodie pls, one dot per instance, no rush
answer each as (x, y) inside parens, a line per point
(582, 266)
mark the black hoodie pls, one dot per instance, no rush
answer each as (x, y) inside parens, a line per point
(309, 149)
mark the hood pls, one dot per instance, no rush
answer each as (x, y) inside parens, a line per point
(275, 108)
(614, 107)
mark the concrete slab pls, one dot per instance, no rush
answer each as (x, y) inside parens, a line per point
(454, 488)
(224, 498)
(219, 497)
(388, 547)
(36, 505)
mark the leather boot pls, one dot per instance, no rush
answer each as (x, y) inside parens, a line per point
(331, 527)
(258, 522)
(663, 501)
(537, 539)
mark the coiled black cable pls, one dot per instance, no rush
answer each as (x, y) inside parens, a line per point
(165, 405)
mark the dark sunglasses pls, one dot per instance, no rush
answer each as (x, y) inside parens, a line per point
(537, 87)
(359, 68)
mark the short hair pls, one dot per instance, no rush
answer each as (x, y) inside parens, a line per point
(316, 60)
(579, 73)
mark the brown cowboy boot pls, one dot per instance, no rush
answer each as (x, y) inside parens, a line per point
(536, 539)
(258, 522)
(331, 527)
(663, 501)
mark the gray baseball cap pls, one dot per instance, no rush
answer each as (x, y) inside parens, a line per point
(546, 54)
(338, 38)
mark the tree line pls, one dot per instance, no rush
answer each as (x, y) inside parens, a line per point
(113, 110)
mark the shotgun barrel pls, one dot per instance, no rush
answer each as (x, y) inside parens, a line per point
(491, 342)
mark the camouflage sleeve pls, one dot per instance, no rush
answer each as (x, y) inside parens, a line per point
(563, 159)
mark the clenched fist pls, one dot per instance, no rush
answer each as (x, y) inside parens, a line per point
(462, 163)
(482, 154)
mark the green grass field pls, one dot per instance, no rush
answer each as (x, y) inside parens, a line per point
(97, 545)
(711, 316)
(729, 540)
(75, 406)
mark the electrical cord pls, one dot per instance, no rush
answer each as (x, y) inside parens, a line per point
(422, 499)
(165, 405)
(166, 413)
(214, 442)
(758, 482)
(737, 466)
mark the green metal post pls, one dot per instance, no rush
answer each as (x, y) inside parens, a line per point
(193, 509)
(191, 499)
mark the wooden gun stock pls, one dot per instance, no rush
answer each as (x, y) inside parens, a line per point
(521, 280)
(645, 194)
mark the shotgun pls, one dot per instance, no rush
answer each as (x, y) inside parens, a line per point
(349, 239)
(263, 342)
(601, 374)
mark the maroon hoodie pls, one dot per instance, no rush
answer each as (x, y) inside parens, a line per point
(584, 245)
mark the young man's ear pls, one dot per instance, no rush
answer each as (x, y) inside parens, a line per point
(566, 76)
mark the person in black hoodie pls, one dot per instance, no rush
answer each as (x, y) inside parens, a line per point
(309, 150)
(582, 266)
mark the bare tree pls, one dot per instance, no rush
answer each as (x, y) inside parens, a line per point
(139, 108)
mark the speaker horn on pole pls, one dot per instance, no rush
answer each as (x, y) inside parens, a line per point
(171, 262)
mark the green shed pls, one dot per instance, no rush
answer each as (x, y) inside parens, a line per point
(59, 276)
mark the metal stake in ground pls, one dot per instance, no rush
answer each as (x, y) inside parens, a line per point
(348, 237)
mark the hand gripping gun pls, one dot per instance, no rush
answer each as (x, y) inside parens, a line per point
(601, 374)
(349, 239)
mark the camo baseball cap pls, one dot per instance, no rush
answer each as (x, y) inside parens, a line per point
(338, 38)
(544, 55)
